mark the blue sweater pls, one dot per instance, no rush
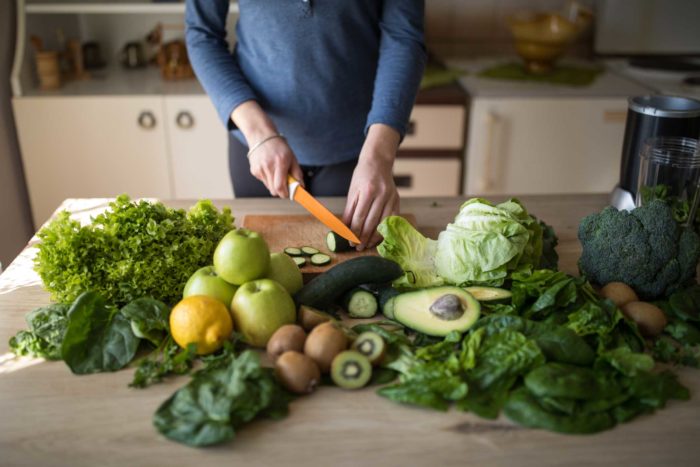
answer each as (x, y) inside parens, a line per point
(323, 70)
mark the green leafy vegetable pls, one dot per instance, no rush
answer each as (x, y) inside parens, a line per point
(168, 359)
(136, 249)
(149, 319)
(98, 337)
(46, 328)
(219, 400)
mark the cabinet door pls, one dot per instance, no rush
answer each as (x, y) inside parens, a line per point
(531, 146)
(85, 147)
(198, 145)
(427, 177)
(436, 127)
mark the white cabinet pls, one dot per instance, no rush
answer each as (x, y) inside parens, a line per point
(198, 148)
(91, 147)
(544, 145)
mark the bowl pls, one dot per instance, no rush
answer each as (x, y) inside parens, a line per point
(542, 38)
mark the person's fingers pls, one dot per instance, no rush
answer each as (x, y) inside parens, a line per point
(296, 172)
(279, 180)
(364, 203)
(389, 209)
(350, 206)
(372, 219)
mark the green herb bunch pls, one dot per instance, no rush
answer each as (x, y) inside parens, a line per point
(135, 249)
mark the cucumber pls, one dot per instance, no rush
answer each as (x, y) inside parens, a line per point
(336, 243)
(309, 251)
(325, 289)
(388, 308)
(293, 251)
(488, 294)
(360, 303)
(299, 261)
(320, 259)
(385, 297)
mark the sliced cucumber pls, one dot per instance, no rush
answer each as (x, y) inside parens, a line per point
(320, 259)
(336, 243)
(388, 308)
(360, 303)
(299, 260)
(488, 294)
(293, 251)
(309, 250)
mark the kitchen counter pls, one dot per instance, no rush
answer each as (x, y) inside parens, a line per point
(51, 417)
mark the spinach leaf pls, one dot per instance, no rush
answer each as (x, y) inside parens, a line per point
(98, 337)
(149, 319)
(219, 400)
(625, 361)
(683, 332)
(45, 334)
(167, 359)
(685, 304)
(668, 351)
(606, 324)
(571, 382)
(649, 391)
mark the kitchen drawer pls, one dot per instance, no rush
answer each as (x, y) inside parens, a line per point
(435, 127)
(427, 177)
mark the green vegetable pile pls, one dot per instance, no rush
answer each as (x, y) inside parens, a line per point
(645, 248)
(680, 342)
(483, 245)
(556, 357)
(134, 250)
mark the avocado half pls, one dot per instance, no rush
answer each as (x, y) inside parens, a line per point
(489, 294)
(437, 311)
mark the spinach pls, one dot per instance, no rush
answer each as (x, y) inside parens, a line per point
(685, 304)
(683, 332)
(149, 319)
(98, 337)
(539, 293)
(220, 399)
(45, 334)
(569, 381)
(167, 359)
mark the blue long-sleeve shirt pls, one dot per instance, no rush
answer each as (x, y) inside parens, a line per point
(323, 70)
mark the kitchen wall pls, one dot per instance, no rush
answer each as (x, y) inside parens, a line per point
(15, 219)
(479, 27)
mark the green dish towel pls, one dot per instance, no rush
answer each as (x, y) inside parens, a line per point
(566, 75)
(436, 76)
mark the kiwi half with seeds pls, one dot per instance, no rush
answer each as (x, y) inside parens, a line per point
(371, 345)
(351, 370)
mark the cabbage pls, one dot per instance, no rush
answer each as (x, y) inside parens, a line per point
(483, 245)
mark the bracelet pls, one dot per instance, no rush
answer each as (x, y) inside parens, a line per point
(263, 141)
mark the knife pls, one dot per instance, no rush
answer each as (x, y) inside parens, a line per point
(319, 211)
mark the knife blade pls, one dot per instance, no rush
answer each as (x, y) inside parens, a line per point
(319, 211)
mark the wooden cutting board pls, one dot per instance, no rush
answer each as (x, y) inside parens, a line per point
(282, 231)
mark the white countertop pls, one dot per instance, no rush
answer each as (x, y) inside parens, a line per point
(607, 84)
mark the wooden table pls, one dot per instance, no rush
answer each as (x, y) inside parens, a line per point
(50, 417)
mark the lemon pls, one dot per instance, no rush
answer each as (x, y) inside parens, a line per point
(201, 320)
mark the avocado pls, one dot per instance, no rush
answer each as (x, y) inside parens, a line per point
(489, 294)
(437, 311)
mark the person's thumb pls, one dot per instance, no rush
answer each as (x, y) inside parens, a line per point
(295, 170)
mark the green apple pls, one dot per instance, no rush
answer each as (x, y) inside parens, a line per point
(260, 308)
(284, 270)
(205, 281)
(241, 256)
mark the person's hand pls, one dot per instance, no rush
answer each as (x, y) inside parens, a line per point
(372, 195)
(271, 162)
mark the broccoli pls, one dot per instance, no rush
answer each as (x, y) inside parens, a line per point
(644, 248)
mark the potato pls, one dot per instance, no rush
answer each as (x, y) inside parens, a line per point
(619, 293)
(650, 319)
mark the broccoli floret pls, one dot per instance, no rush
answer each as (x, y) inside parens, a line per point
(645, 248)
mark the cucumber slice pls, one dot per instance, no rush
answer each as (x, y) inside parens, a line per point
(309, 250)
(488, 294)
(320, 259)
(336, 243)
(293, 251)
(359, 303)
(300, 261)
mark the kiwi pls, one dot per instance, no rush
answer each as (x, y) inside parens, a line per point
(287, 337)
(619, 293)
(297, 372)
(371, 345)
(351, 370)
(325, 341)
(650, 319)
(310, 317)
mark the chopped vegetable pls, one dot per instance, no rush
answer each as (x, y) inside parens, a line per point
(320, 259)
(300, 261)
(336, 243)
(309, 250)
(293, 251)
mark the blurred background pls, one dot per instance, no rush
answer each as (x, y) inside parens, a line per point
(520, 97)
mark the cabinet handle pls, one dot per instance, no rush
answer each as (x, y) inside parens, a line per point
(147, 120)
(487, 182)
(403, 181)
(184, 120)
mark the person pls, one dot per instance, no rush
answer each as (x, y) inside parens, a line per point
(319, 89)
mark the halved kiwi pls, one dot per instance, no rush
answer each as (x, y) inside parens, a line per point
(351, 370)
(371, 345)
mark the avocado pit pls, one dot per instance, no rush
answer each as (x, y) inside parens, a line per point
(448, 307)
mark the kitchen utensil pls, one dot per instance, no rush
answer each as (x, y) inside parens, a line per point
(48, 69)
(132, 55)
(92, 56)
(651, 117)
(672, 165)
(76, 64)
(173, 61)
(301, 196)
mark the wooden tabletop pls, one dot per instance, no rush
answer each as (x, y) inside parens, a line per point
(48, 416)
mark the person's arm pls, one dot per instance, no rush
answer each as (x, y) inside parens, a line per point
(372, 195)
(218, 71)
